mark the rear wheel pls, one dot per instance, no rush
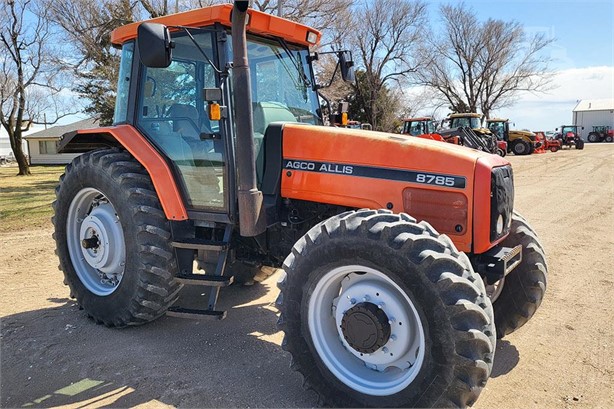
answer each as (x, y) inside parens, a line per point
(593, 137)
(517, 297)
(113, 240)
(520, 147)
(379, 310)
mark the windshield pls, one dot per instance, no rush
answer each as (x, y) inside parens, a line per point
(469, 122)
(281, 84)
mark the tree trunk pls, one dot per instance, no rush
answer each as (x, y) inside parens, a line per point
(22, 161)
(17, 147)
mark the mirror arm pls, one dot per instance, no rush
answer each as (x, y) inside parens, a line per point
(332, 79)
(328, 105)
(187, 31)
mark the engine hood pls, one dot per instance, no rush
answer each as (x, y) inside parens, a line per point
(378, 149)
(522, 133)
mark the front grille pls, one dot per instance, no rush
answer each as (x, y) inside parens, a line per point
(501, 200)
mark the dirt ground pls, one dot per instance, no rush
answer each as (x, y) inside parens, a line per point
(52, 355)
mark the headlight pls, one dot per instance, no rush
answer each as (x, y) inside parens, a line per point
(500, 225)
(501, 202)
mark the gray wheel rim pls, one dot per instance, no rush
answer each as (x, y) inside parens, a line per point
(393, 366)
(493, 291)
(99, 263)
(520, 148)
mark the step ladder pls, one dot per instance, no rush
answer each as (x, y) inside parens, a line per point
(214, 281)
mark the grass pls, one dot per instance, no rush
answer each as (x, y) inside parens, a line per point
(25, 201)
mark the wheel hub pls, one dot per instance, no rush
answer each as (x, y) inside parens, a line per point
(96, 242)
(365, 327)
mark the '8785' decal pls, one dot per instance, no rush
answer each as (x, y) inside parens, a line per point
(436, 179)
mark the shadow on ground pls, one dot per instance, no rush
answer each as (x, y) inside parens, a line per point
(506, 358)
(56, 356)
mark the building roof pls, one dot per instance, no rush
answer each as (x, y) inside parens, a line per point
(58, 131)
(595, 105)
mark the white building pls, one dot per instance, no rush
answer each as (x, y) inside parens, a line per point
(593, 112)
(5, 145)
(42, 145)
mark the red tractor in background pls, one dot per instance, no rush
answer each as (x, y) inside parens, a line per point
(601, 134)
(569, 136)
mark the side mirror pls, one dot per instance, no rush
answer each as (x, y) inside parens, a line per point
(154, 45)
(556, 129)
(347, 66)
(582, 128)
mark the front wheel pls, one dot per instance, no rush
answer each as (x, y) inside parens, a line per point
(517, 297)
(609, 138)
(379, 310)
(579, 144)
(113, 240)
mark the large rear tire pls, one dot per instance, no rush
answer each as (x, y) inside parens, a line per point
(517, 297)
(381, 311)
(521, 147)
(113, 240)
(593, 137)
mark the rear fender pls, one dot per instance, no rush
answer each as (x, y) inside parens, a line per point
(129, 138)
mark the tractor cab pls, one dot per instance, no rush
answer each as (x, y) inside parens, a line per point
(467, 120)
(419, 126)
(500, 128)
(176, 90)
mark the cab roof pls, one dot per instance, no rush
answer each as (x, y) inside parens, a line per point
(258, 23)
(465, 115)
(421, 118)
(497, 120)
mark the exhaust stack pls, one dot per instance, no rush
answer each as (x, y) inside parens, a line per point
(251, 208)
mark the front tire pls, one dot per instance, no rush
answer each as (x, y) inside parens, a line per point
(579, 144)
(113, 240)
(429, 336)
(517, 297)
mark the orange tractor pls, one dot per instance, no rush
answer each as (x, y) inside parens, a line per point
(547, 144)
(403, 259)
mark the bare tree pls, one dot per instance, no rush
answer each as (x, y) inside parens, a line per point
(474, 65)
(28, 84)
(385, 36)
